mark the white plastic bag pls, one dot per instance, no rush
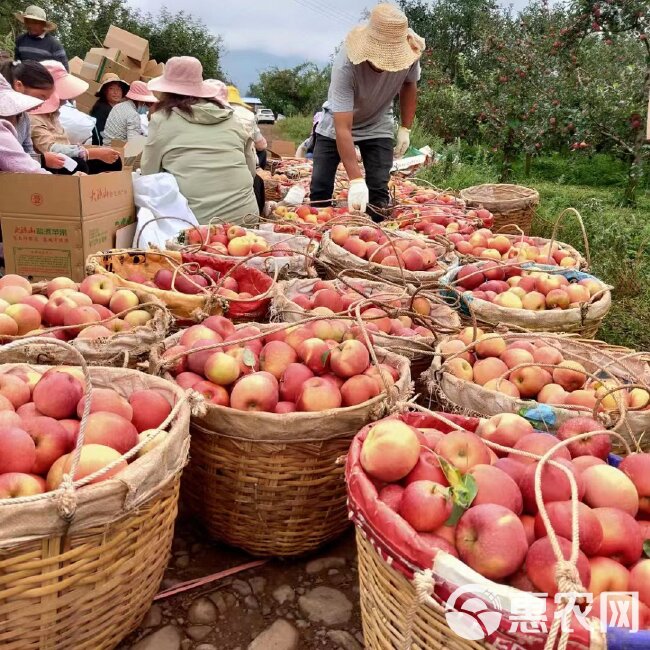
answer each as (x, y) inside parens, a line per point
(77, 125)
(163, 210)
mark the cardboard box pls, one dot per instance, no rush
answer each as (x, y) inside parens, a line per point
(75, 65)
(100, 61)
(129, 44)
(152, 70)
(50, 224)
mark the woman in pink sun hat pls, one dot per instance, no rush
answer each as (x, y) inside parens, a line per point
(48, 135)
(196, 138)
(12, 155)
(124, 121)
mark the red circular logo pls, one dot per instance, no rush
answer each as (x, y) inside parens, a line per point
(37, 199)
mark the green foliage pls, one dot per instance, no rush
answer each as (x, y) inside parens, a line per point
(296, 129)
(293, 91)
(82, 24)
(618, 235)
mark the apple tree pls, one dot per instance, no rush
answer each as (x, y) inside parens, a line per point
(609, 43)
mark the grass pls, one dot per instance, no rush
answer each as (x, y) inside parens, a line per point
(296, 129)
(616, 235)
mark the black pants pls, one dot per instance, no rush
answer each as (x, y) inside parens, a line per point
(262, 157)
(258, 190)
(90, 167)
(377, 156)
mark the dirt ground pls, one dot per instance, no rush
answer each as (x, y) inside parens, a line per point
(310, 603)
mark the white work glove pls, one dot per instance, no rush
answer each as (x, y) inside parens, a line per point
(403, 141)
(358, 195)
(295, 195)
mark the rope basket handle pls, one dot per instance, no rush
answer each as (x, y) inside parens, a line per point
(66, 494)
(138, 235)
(581, 223)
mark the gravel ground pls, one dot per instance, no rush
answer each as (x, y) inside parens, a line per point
(309, 603)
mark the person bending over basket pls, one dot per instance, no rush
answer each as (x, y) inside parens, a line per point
(198, 140)
(378, 61)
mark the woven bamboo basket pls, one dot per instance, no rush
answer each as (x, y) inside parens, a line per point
(125, 349)
(409, 588)
(270, 484)
(625, 368)
(79, 569)
(510, 204)
(335, 258)
(442, 320)
(120, 265)
(583, 321)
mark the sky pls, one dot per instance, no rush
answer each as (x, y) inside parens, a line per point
(259, 34)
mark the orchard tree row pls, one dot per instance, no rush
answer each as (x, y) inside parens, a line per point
(554, 77)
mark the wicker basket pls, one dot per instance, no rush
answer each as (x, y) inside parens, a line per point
(619, 365)
(126, 349)
(510, 204)
(85, 582)
(335, 258)
(583, 321)
(270, 484)
(121, 264)
(407, 586)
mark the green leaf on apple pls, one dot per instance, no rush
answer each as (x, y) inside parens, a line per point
(325, 356)
(248, 358)
(646, 548)
(463, 490)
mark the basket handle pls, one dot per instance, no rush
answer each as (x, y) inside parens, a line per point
(581, 223)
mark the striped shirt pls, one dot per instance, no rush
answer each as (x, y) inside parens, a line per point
(40, 48)
(123, 123)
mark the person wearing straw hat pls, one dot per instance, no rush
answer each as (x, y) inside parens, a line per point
(124, 122)
(13, 157)
(379, 60)
(197, 139)
(110, 94)
(48, 135)
(246, 115)
(38, 43)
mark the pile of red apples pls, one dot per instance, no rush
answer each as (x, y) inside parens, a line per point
(485, 244)
(501, 534)
(39, 423)
(371, 244)
(533, 369)
(235, 241)
(516, 288)
(309, 367)
(75, 308)
(330, 297)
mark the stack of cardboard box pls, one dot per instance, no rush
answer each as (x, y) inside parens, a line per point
(123, 54)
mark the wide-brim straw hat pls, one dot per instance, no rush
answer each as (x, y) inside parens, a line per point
(112, 78)
(183, 75)
(35, 13)
(66, 85)
(14, 103)
(140, 93)
(385, 41)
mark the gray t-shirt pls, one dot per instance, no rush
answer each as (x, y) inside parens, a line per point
(370, 94)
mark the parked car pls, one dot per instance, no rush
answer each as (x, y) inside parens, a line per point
(265, 116)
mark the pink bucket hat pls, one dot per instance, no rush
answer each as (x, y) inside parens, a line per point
(66, 86)
(220, 91)
(140, 93)
(50, 105)
(183, 76)
(13, 103)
